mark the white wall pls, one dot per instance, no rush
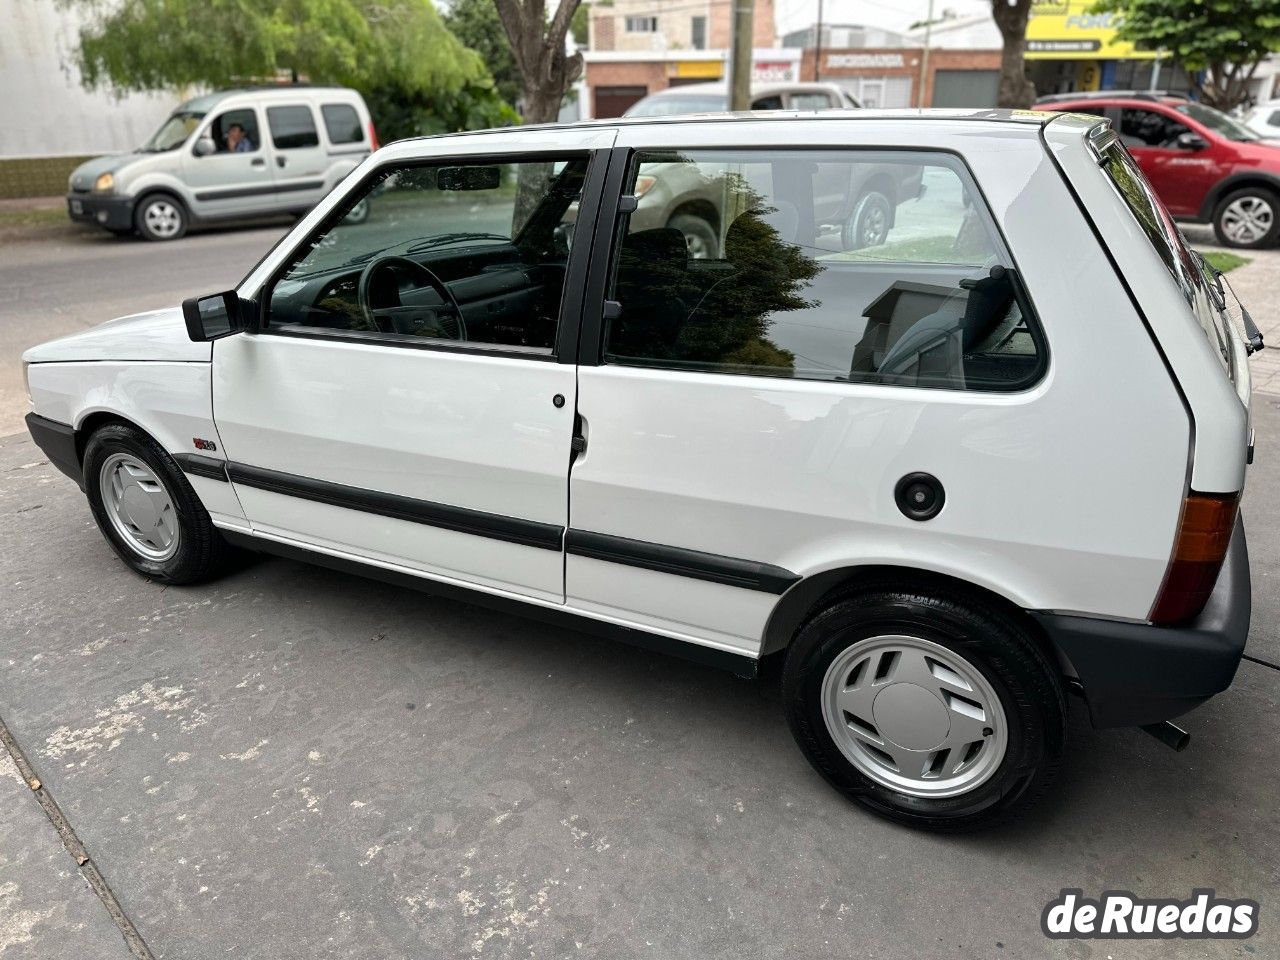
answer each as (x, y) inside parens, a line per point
(43, 109)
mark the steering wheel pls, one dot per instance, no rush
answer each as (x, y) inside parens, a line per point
(446, 319)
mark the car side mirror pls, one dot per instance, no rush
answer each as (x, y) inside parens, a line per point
(1190, 141)
(213, 317)
(204, 146)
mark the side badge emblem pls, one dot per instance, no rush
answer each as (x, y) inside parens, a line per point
(204, 444)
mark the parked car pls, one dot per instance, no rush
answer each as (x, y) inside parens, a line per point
(227, 156)
(1264, 119)
(944, 480)
(689, 199)
(1205, 166)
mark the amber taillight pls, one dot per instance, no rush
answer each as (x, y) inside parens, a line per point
(1204, 532)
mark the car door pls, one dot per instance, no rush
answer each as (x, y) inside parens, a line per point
(300, 159)
(1182, 176)
(743, 415)
(230, 181)
(410, 398)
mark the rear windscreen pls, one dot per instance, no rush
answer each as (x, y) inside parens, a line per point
(1168, 241)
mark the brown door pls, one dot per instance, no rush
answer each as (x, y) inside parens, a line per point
(613, 101)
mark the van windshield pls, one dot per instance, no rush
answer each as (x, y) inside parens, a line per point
(173, 132)
(670, 106)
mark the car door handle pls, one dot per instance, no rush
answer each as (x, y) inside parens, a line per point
(257, 162)
(281, 161)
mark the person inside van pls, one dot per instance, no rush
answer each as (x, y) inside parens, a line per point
(237, 140)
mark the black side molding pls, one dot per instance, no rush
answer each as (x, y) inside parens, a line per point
(199, 466)
(747, 574)
(530, 533)
(58, 441)
(737, 663)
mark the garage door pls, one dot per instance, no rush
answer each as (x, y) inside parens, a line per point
(613, 101)
(965, 88)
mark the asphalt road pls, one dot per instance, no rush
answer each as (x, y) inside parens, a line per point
(290, 762)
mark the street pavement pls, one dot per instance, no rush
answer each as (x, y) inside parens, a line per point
(292, 762)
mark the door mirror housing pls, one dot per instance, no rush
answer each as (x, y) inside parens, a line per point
(215, 316)
(1190, 141)
(204, 146)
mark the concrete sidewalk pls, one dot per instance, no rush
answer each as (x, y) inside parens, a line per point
(290, 762)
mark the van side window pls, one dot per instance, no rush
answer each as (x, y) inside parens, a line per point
(292, 127)
(342, 123)
(859, 266)
(236, 131)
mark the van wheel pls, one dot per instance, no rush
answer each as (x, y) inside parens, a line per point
(146, 509)
(1249, 218)
(160, 217)
(868, 225)
(929, 709)
(699, 236)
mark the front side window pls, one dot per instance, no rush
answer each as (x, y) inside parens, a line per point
(342, 123)
(1146, 128)
(854, 265)
(472, 253)
(811, 101)
(292, 127)
(235, 131)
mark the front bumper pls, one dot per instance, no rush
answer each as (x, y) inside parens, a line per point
(113, 213)
(58, 441)
(1137, 673)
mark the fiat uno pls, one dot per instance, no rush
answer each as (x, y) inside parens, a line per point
(948, 479)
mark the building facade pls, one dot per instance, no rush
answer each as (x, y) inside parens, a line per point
(645, 26)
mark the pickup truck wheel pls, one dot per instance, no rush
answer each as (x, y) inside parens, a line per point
(868, 225)
(146, 509)
(927, 708)
(1249, 218)
(160, 217)
(699, 236)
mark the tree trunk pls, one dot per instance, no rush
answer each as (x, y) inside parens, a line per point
(546, 71)
(1016, 90)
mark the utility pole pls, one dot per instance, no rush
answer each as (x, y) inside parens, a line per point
(817, 46)
(740, 55)
(924, 57)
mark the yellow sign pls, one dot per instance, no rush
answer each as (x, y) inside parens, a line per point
(706, 69)
(1066, 30)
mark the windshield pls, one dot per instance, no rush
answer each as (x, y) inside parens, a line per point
(173, 132)
(672, 106)
(1217, 121)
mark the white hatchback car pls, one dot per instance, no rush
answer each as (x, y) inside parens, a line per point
(950, 478)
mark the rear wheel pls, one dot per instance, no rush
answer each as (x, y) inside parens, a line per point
(146, 509)
(1248, 218)
(930, 709)
(160, 217)
(868, 225)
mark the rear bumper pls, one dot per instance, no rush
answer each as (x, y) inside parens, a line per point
(113, 213)
(58, 441)
(1136, 673)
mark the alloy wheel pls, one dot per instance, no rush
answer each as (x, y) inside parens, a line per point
(162, 218)
(139, 507)
(1247, 220)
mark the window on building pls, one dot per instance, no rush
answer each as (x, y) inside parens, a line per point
(698, 33)
(822, 265)
(642, 24)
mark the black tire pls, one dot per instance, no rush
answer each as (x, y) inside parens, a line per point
(160, 217)
(992, 642)
(201, 552)
(699, 236)
(1256, 202)
(869, 224)
(358, 213)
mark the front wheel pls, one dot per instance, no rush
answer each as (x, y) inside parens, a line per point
(147, 510)
(160, 217)
(927, 708)
(1248, 218)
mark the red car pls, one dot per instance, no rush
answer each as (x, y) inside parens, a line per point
(1205, 166)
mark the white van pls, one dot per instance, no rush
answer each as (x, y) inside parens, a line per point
(990, 460)
(229, 155)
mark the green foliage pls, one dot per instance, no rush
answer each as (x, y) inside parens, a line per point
(476, 24)
(396, 52)
(1228, 38)
(580, 25)
(1224, 261)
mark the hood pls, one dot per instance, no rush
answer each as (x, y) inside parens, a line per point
(160, 335)
(1264, 153)
(83, 176)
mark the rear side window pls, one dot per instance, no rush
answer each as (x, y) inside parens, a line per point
(1168, 242)
(853, 265)
(342, 123)
(292, 127)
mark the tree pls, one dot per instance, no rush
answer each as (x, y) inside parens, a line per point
(393, 51)
(546, 70)
(1011, 18)
(476, 23)
(1219, 43)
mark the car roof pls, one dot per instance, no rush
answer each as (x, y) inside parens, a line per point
(757, 89)
(208, 101)
(1129, 99)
